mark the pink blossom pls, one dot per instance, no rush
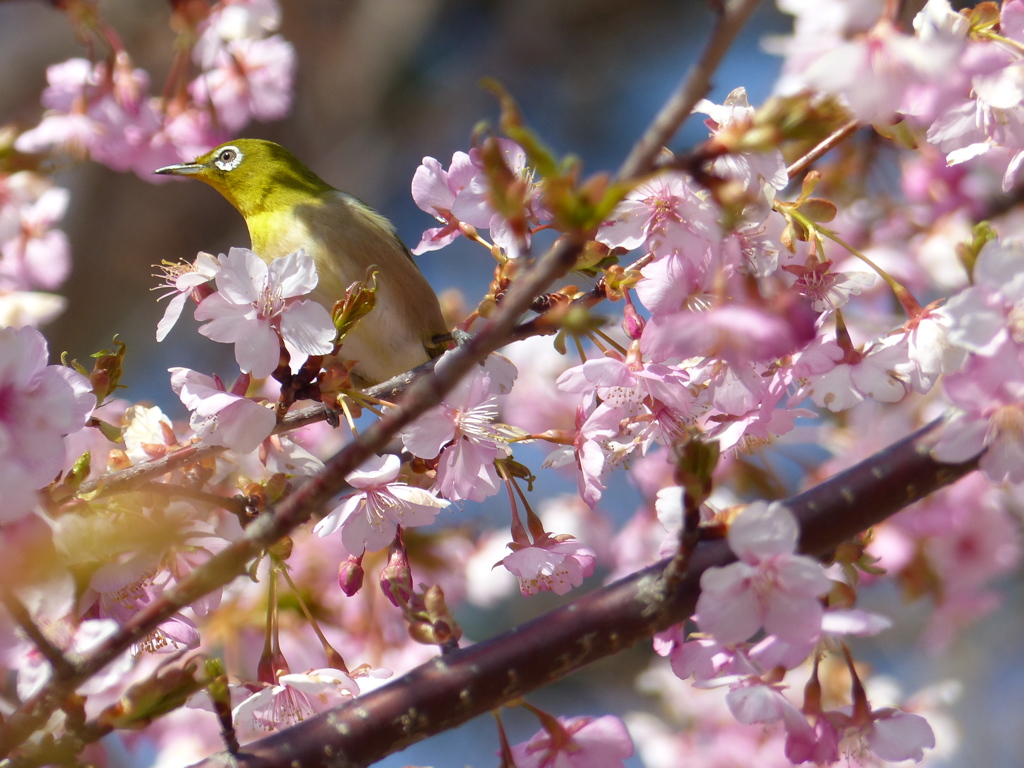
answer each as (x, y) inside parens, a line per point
(819, 744)
(664, 215)
(368, 520)
(704, 658)
(232, 21)
(220, 417)
(66, 125)
(897, 735)
(627, 385)
(677, 280)
(752, 168)
(828, 290)
(626, 404)
(756, 702)
(294, 698)
(39, 405)
(250, 78)
(254, 309)
(984, 112)
(32, 253)
(838, 380)
(990, 311)
(182, 281)
(774, 652)
(552, 563)
(585, 742)
(749, 411)
(989, 398)
(98, 111)
(434, 190)
(769, 586)
(461, 194)
(734, 332)
(888, 733)
(462, 432)
(877, 73)
(588, 453)
(127, 582)
(930, 350)
(147, 433)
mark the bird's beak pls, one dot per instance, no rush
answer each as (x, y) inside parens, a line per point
(184, 169)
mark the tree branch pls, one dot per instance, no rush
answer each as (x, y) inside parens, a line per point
(452, 689)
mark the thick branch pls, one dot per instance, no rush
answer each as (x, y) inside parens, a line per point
(456, 687)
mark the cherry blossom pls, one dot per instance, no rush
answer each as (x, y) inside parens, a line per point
(838, 379)
(41, 404)
(147, 433)
(664, 215)
(460, 195)
(828, 290)
(33, 254)
(986, 314)
(989, 396)
(249, 78)
(652, 399)
(752, 168)
(434, 190)
(256, 309)
(220, 417)
(294, 698)
(462, 433)
(585, 742)
(19, 308)
(877, 74)
(733, 332)
(986, 114)
(552, 563)
(232, 22)
(51, 605)
(183, 281)
(368, 520)
(769, 587)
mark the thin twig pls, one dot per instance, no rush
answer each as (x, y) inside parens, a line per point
(62, 668)
(694, 87)
(827, 144)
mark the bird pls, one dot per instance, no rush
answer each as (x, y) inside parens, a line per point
(287, 207)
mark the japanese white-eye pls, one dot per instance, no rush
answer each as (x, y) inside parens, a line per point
(287, 207)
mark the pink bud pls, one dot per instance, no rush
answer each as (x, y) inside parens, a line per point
(632, 322)
(396, 576)
(350, 575)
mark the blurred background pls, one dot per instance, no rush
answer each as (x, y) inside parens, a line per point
(381, 84)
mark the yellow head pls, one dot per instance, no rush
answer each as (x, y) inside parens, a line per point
(255, 176)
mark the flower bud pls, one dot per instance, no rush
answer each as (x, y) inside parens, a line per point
(350, 575)
(396, 576)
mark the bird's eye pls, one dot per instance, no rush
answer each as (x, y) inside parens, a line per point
(228, 158)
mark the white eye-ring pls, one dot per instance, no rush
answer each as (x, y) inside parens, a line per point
(228, 158)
